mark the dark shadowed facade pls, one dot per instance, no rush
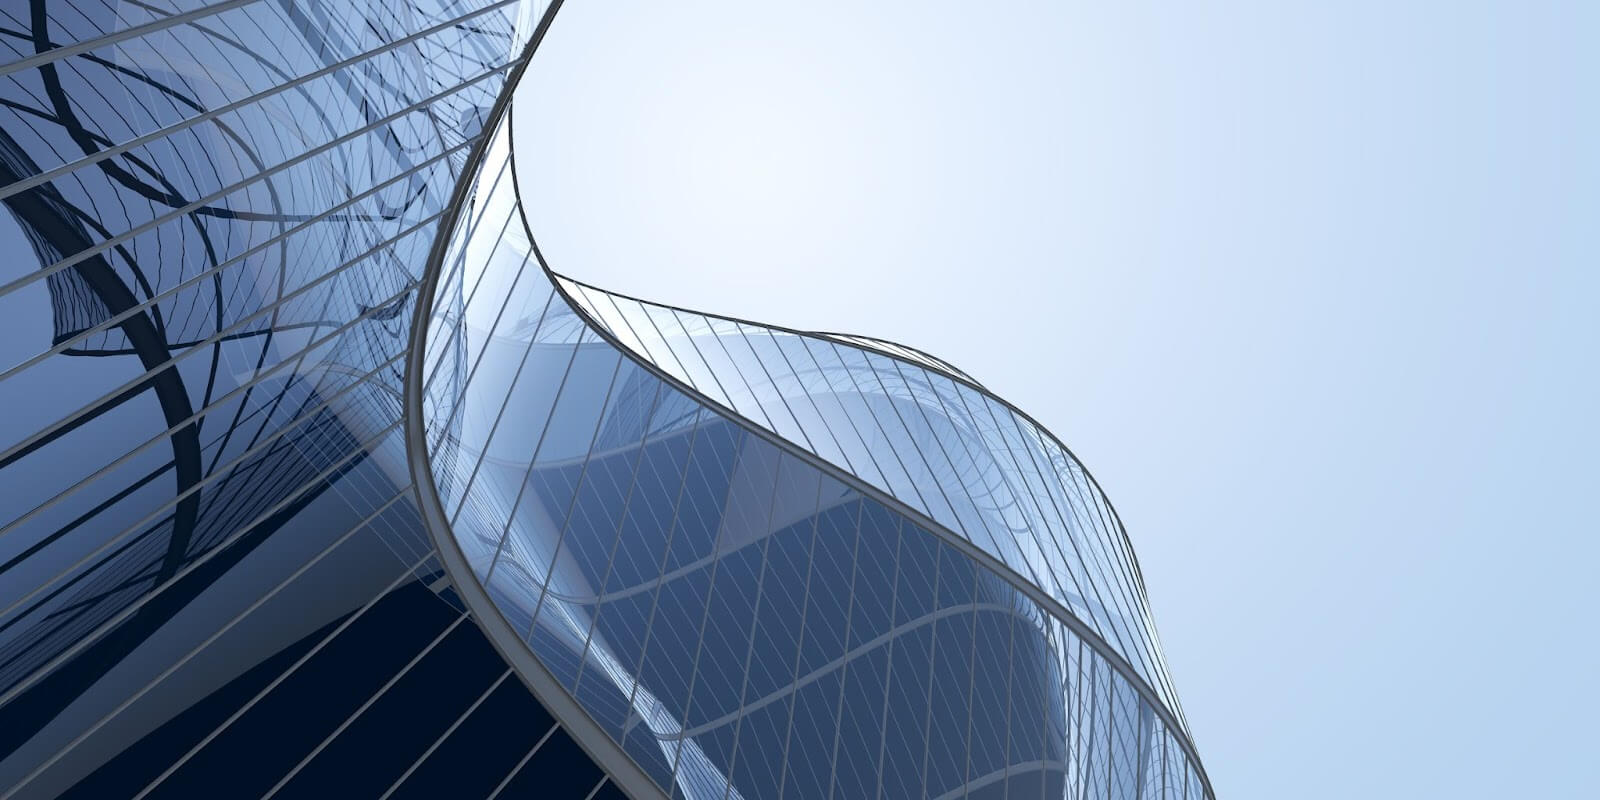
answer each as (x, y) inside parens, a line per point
(315, 480)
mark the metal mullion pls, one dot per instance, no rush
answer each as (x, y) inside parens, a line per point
(515, 377)
(888, 667)
(303, 353)
(1011, 675)
(1032, 494)
(160, 437)
(58, 53)
(472, 372)
(755, 617)
(283, 676)
(627, 330)
(972, 680)
(1113, 529)
(843, 412)
(626, 320)
(298, 357)
(483, 201)
(705, 616)
(933, 649)
(744, 337)
(471, 295)
(908, 530)
(1121, 558)
(616, 543)
(760, 411)
(954, 470)
(1111, 734)
(175, 666)
(364, 706)
(469, 233)
(805, 604)
(865, 649)
(1032, 497)
(666, 554)
(462, 232)
(580, 299)
(848, 373)
(608, 317)
(1074, 744)
(446, 734)
(800, 384)
(688, 378)
(237, 105)
(533, 459)
(903, 459)
(1048, 601)
(1181, 721)
(83, 642)
(434, 357)
(1110, 624)
(555, 555)
(911, 442)
(712, 560)
(717, 337)
(215, 475)
(964, 416)
(1094, 726)
(844, 668)
(1108, 530)
(180, 212)
(171, 363)
(522, 763)
(1109, 562)
(1166, 764)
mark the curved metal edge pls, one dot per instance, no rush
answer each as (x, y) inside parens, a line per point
(944, 367)
(595, 742)
(1168, 716)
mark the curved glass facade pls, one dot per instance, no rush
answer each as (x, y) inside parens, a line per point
(766, 563)
(314, 480)
(213, 577)
(914, 428)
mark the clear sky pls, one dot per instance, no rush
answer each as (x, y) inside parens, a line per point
(1311, 287)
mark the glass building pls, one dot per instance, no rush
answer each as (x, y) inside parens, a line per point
(315, 479)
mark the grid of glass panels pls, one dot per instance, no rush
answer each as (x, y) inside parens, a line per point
(903, 424)
(739, 622)
(217, 215)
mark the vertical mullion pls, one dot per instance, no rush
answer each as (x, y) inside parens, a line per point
(888, 667)
(755, 619)
(616, 543)
(800, 641)
(844, 662)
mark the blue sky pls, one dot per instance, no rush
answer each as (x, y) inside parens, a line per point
(1310, 287)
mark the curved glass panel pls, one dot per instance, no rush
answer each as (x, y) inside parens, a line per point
(900, 351)
(921, 432)
(740, 618)
(217, 215)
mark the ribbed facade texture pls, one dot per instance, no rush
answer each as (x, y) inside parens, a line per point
(769, 563)
(315, 480)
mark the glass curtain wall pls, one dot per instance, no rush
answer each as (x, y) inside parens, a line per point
(728, 563)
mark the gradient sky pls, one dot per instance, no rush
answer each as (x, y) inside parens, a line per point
(1310, 287)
